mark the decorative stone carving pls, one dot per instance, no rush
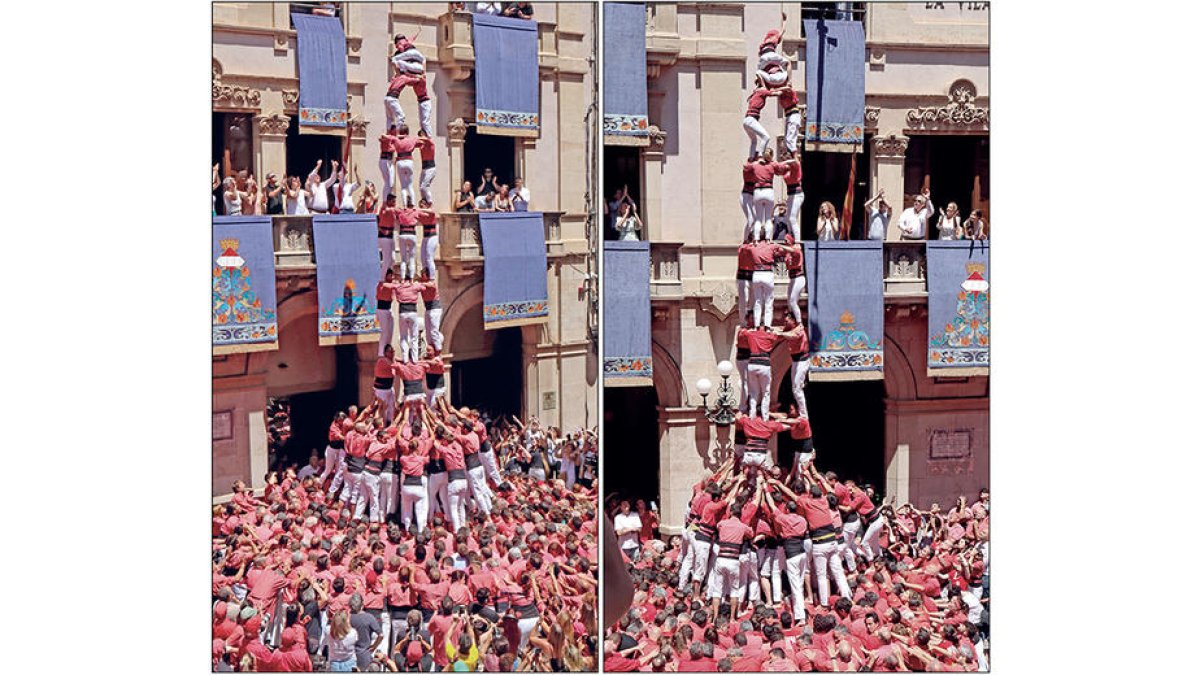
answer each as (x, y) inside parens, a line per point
(291, 98)
(281, 40)
(871, 116)
(456, 130)
(358, 128)
(877, 58)
(217, 70)
(960, 111)
(274, 124)
(293, 240)
(658, 137)
(905, 261)
(227, 96)
(891, 146)
(353, 45)
(722, 302)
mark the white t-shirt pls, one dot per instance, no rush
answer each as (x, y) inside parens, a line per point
(341, 650)
(974, 607)
(347, 205)
(625, 521)
(878, 222)
(913, 223)
(298, 206)
(320, 195)
(306, 471)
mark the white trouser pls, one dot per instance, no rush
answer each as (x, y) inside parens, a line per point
(458, 491)
(773, 80)
(826, 557)
(804, 458)
(439, 493)
(770, 566)
(489, 465)
(433, 327)
(726, 578)
(796, 286)
(368, 496)
(701, 558)
(568, 472)
(389, 493)
(479, 489)
(388, 171)
(757, 134)
(537, 472)
(526, 626)
(387, 255)
(414, 505)
(742, 365)
(393, 112)
(688, 549)
(794, 202)
(743, 291)
(331, 462)
(762, 285)
(409, 339)
(408, 255)
(425, 111)
(388, 397)
(747, 199)
(751, 590)
(796, 566)
(429, 244)
(352, 487)
(791, 132)
(764, 204)
(427, 175)
(849, 535)
(755, 458)
(760, 388)
(339, 473)
(432, 395)
(387, 327)
(870, 540)
(404, 176)
(799, 373)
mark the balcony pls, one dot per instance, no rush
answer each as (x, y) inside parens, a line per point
(461, 246)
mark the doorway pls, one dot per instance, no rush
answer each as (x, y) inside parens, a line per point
(622, 167)
(825, 175)
(493, 383)
(847, 423)
(303, 151)
(488, 151)
(232, 148)
(631, 456)
(954, 168)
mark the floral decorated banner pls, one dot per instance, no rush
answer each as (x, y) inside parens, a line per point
(506, 75)
(321, 62)
(625, 71)
(959, 329)
(514, 269)
(835, 84)
(627, 360)
(347, 258)
(845, 308)
(243, 285)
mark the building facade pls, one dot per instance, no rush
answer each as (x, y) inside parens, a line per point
(545, 370)
(926, 121)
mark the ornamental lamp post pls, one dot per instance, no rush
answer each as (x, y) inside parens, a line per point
(723, 413)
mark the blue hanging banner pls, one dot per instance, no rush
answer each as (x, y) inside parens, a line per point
(627, 359)
(243, 285)
(321, 62)
(514, 269)
(835, 84)
(347, 256)
(625, 121)
(845, 309)
(959, 333)
(506, 75)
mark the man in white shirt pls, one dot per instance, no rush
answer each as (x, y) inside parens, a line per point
(313, 468)
(628, 526)
(493, 8)
(879, 212)
(319, 202)
(914, 221)
(520, 194)
(343, 192)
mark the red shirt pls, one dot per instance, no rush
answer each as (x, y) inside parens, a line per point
(335, 431)
(763, 254)
(409, 293)
(759, 174)
(791, 171)
(712, 512)
(413, 464)
(404, 145)
(388, 219)
(745, 257)
(798, 344)
(761, 341)
(410, 371)
(469, 441)
(429, 291)
(356, 444)
(386, 143)
(790, 524)
(453, 454)
(794, 259)
(816, 511)
(425, 146)
(732, 531)
(757, 428)
(406, 220)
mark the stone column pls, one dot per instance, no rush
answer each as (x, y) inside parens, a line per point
(887, 173)
(687, 452)
(270, 144)
(456, 134)
(358, 144)
(651, 187)
(898, 474)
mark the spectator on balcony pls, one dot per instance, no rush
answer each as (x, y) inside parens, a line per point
(368, 202)
(216, 183)
(629, 225)
(295, 197)
(612, 209)
(779, 222)
(949, 225)
(319, 189)
(483, 203)
(828, 226)
(879, 212)
(503, 200)
(343, 192)
(520, 195)
(518, 10)
(975, 227)
(493, 8)
(487, 182)
(464, 201)
(232, 197)
(272, 196)
(326, 9)
(914, 221)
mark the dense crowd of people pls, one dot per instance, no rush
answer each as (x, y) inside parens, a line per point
(438, 540)
(786, 568)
